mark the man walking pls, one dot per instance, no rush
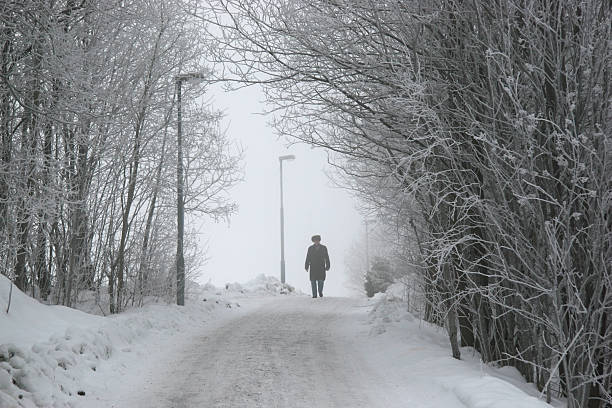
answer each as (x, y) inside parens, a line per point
(317, 259)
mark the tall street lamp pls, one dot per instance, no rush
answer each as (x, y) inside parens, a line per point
(282, 217)
(180, 202)
(367, 222)
(367, 231)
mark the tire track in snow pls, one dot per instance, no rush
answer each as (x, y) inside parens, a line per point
(286, 353)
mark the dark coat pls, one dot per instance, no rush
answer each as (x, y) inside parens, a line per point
(317, 259)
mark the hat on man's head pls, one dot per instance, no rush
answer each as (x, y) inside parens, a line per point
(315, 238)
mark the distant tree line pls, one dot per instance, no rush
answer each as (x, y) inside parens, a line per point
(481, 132)
(88, 155)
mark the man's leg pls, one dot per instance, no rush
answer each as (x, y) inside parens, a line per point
(321, 282)
(313, 283)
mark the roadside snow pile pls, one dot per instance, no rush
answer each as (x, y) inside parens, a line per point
(421, 353)
(387, 308)
(262, 284)
(47, 351)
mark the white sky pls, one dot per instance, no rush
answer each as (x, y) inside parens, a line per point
(250, 244)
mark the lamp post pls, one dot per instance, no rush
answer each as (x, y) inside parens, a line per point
(367, 222)
(367, 231)
(180, 202)
(282, 216)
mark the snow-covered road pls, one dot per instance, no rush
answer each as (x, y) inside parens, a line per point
(244, 347)
(295, 351)
(288, 352)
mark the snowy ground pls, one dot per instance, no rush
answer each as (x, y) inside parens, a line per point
(245, 346)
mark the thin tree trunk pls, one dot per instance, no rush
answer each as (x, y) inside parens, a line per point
(112, 274)
(5, 155)
(8, 306)
(451, 320)
(133, 175)
(145, 242)
(125, 220)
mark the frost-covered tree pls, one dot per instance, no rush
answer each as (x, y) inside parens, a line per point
(379, 277)
(485, 128)
(88, 157)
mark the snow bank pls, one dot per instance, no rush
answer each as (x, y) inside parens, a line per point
(262, 284)
(28, 321)
(47, 351)
(420, 352)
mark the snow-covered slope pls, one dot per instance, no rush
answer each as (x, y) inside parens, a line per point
(29, 322)
(47, 352)
(418, 354)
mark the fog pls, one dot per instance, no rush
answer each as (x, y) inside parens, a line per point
(250, 244)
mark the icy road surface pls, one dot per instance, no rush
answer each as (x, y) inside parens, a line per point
(289, 352)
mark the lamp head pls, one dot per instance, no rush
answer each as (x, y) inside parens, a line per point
(190, 76)
(286, 157)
